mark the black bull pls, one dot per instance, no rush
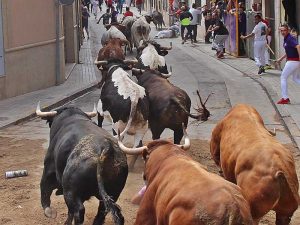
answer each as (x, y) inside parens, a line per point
(82, 160)
(169, 105)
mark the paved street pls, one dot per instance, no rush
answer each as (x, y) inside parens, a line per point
(194, 68)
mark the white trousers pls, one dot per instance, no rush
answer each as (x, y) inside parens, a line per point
(259, 52)
(267, 52)
(290, 68)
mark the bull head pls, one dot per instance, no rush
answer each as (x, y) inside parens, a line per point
(137, 151)
(203, 111)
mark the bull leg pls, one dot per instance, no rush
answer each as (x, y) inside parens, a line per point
(178, 134)
(47, 185)
(156, 130)
(282, 220)
(100, 120)
(100, 217)
(138, 142)
(100, 113)
(76, 209)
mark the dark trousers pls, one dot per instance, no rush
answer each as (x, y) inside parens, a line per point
(194, 30)
(189, 30)
(208, 35)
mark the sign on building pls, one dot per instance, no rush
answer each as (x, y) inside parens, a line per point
(2, 71)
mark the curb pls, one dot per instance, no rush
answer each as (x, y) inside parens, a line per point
(56, 104)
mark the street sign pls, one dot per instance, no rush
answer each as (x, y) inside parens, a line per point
(66, 2)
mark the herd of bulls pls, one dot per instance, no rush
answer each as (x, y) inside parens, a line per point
(84, 160)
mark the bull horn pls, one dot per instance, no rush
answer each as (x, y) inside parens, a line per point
(41, 114)
(92, 114)
(130, 151)
(167, 48)
(138, 70)
(187, 142)
(131, 61)
(273, 133)
(100, 63)
(168, 74)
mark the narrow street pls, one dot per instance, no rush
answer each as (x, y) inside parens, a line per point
(23, 146)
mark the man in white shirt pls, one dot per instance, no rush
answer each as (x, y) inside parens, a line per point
(195, 12)
(260, 33)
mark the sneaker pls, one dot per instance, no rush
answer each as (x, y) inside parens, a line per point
(284, 101)
(182, 42)
(195, 41)
(261, 70)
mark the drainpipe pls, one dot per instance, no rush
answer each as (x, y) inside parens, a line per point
(57, 55)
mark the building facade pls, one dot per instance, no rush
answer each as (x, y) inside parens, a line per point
(29, 44)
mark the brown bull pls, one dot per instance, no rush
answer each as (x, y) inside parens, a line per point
(112, 50)
(181, 192)
(250, 157)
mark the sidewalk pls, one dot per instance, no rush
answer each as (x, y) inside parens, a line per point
(83, 78)
(270, 82)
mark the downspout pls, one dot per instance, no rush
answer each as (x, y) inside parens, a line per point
(57, 44)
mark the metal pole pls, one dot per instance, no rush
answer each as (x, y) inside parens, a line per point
(57, 55)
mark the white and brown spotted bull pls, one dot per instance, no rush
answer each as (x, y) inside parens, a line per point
(251, 157)
(151, 56)
(82, 160)
(169, 105)
(124, 101)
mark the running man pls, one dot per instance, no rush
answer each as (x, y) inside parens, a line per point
(292, 66)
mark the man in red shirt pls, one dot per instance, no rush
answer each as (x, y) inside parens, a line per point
(128, 12)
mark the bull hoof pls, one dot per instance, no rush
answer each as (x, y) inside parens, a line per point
(50, 213)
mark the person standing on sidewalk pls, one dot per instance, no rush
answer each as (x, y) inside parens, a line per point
(195, 12)
(259, 32)
(185, 20)
(292, 66)
(85, 21)
(221, 34)
(138, 4)
(269, 39)
(207, 22)
(87, 3)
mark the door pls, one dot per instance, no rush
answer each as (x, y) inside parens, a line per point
(2, 69)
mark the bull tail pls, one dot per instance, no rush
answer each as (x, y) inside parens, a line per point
(133, 107)
(175, 100)
(286, 183)
(109, 203)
